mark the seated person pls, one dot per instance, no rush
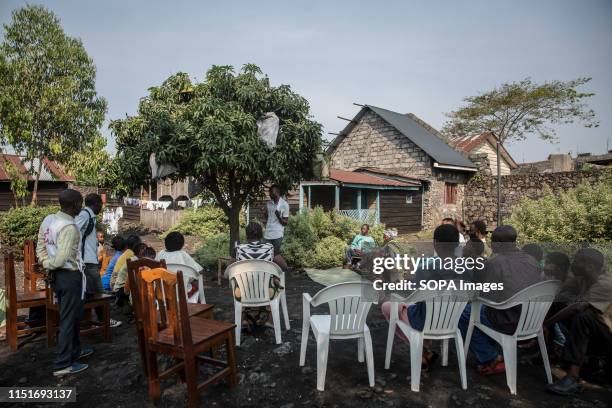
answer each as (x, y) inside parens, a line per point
(148, 252)
(174, 254)
(536, 251)
(361, 243)
(122, 276)
(474, 248)
(478, 230)
(516, 270)
(132, 242)
(588, 318)
(119, 245)
(256, 248)
(556, 267)
(445, 241)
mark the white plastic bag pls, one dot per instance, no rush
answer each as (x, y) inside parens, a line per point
(160, 170)
(267, 129)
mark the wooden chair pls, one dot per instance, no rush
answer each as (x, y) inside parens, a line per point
(101, 300)
(29, 260)
(171, 331)
(134, 268)
(26, 300)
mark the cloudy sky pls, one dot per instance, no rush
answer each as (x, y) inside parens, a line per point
(407, 56)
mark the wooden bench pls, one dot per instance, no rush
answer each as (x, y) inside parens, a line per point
(15, 301)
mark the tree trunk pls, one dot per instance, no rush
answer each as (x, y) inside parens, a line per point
(35, 189)
(234, 223)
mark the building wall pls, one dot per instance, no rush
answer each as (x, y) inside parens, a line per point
(489, 150)
(375, 143)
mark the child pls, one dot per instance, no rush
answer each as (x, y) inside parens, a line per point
(174, 254)
(119, 245)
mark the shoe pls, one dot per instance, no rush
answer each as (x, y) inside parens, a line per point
(73, 369)
(567, 386)
(487, 370)
(85, 352)
(115, 323)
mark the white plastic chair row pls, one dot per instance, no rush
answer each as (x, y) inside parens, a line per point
(443, 310)
(349, 304)
(535, 302)
(189, 271)
(252, 277)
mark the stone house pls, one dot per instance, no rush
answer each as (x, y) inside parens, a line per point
(402, 144)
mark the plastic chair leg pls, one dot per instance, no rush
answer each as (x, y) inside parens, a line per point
(509, 348)
(360, 347)
(544, 352)
(416, 354)
(305, 329)
(283, 299)
(274, 306)
(322, 352)
(390, 338)
(369, 354)
(468, 338)
(444, 352)
(461, 359)
(238, 321)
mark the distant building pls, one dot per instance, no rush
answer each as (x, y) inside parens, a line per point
(53, 179)
(486, 143)
(564, 162)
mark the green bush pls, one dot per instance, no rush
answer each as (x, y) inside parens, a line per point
(581, 214)
(19, 224)
(329, 252)
(213, 248)
(306, 231)
(207, 221)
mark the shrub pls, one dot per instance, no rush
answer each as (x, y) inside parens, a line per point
(19, 224)
(207, 221)
(581, 214)
(213, 248)
(306, 231)
(328, 252)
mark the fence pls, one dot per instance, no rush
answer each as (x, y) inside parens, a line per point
(160, 220)
(367, 216)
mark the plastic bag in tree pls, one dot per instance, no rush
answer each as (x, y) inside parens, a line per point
(267, 129)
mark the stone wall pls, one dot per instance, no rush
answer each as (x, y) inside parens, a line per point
(480, 201)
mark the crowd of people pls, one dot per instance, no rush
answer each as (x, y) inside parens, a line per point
(80, 263)
(578, 326)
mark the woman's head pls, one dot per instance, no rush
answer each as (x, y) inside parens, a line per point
(174, 241)
(118, 243)
(254, 231)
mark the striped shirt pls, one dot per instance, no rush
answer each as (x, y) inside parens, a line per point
(255, 250)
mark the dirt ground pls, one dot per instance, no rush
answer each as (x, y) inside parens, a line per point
(269, 374)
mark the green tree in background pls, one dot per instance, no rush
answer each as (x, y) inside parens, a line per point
(208, 131)
(19, 182)
(48, 103)
(90, 163)
(517, 109)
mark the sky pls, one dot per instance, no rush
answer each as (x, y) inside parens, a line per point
(406, 56)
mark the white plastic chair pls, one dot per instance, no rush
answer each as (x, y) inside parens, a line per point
(535, 301)
(443, 310)
(349, 304)
(190, 272)
(253, 278)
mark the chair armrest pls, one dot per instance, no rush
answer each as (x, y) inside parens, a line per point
(506, 304)
(306, 300)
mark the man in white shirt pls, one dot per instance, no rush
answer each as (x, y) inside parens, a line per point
(276, 217)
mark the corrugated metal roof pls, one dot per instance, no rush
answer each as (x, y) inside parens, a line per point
(468, 143)
(418, 134)
(50, 171)
(353, 177)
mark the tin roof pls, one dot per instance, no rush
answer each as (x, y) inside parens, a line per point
(50, 170)
(360, 177)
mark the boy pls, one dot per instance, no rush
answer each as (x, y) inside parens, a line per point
(174, 254)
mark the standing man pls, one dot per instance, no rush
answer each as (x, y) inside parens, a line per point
(59, 252)
(86, 222)
(276, 217)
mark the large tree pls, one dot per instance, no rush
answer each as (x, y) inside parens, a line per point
(89, 163)
(208, 130)
(514, 110)
(48, 102)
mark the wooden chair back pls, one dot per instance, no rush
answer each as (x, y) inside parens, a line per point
(158, 291)
(133, 270)
(30, 277)
(9, 281)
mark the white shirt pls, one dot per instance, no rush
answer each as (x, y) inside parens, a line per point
(90, 255)
(182, 258)
(274, 229)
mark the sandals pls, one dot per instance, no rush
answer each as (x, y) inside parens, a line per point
(489, 369)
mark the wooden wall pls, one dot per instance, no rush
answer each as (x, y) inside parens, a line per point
(48, 193)
(396, 213)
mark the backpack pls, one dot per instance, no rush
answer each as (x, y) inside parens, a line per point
(88, 230)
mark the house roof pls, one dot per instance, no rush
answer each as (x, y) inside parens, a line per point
(468, 143)
(363, 178)
(50, 171)
(421, 134)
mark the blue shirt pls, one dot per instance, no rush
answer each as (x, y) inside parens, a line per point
(109, 271)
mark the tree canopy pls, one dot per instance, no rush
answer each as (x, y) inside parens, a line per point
(208, 130)
(48, 103)
(514, 110)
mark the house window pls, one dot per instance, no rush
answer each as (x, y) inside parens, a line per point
(450, 193)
